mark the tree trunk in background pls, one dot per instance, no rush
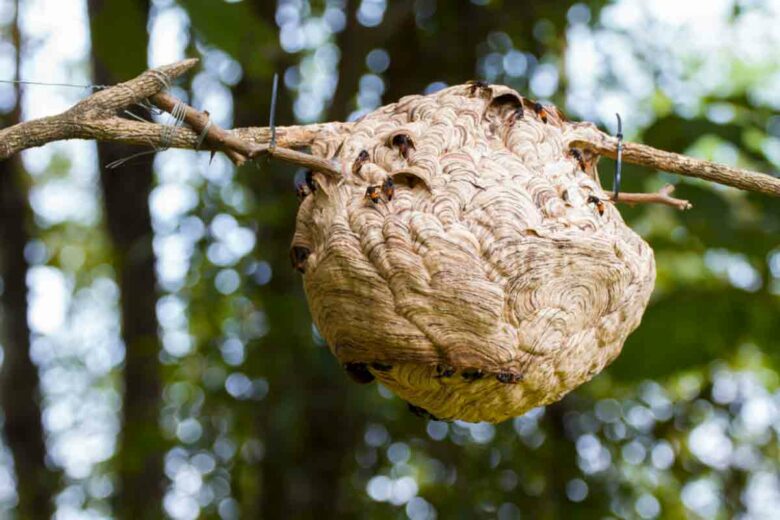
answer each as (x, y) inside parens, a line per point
(404, 48)
(126, 197)
(356, 41)
(450, 57)
(19, 392)
(554, 503)
(302, 471)
(353, 49)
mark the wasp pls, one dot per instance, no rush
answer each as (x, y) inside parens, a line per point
(600, 206)
(388, 189)
(358, 164)
(310, 182)
(477, 84)
(577, 154)
(516, 115)
(509, 378)
(561, 116)
(373, 194)
(421, 412)
(301, 190)
(540, 111)
(472, 374)
(359, 373)
(298, 257)
(444, 371)
(404, 144)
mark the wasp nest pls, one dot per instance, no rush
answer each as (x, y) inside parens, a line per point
(468, 258)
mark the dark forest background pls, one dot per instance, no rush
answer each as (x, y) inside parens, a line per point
(158, 357)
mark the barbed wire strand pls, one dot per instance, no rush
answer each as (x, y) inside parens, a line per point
(47, 84)
(203, 133)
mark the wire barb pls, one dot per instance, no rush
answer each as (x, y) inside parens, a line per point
(135, 116)
(619, 159)
(146, 104)
(204, 133)
(123, 160)
(272, 118)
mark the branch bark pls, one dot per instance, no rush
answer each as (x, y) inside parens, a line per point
(139, 458)
(19, 382)
(95, 117)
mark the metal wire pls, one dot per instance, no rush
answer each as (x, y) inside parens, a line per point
(123, 160)
(166, 138)
(203, 134)
(178, 112)
(619, 159)
(45, 84)
(163, 77)
(272, 118)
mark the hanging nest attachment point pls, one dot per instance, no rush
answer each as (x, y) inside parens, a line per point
(467, 257)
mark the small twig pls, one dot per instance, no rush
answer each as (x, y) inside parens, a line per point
(660, 197)
(304, 160)
(618, 159)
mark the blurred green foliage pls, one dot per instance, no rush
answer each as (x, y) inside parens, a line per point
(266, 425)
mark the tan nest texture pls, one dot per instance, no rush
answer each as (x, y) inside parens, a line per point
(467, 258)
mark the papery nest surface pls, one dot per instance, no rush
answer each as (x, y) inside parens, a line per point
(467, 258)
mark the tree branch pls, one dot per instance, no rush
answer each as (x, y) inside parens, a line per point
(100, 106)
(586, 135)
(660, 197)
(96, 117)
